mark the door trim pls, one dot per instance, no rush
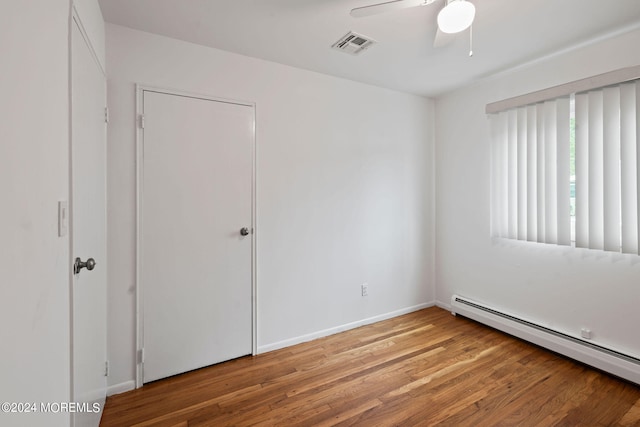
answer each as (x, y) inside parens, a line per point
(140, 89)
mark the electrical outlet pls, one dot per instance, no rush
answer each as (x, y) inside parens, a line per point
(365, 289)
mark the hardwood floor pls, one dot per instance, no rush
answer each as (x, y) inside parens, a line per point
(424, 368)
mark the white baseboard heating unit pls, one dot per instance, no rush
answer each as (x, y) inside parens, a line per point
(606, 359)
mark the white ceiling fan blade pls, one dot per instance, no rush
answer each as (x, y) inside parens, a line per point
(442, 39)
(387, 6)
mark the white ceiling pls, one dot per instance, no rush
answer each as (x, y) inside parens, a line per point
(300, 32)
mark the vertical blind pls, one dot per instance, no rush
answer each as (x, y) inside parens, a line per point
(531, 164)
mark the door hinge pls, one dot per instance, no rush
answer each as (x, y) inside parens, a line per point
(141, 355)
(106, 114)
(141, 121)
(106, 368)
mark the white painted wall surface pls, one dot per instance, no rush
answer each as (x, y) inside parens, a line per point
(34, 174)
(344, 190)
(561, 288)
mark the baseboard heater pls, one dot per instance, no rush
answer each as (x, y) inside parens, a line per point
(609, 360)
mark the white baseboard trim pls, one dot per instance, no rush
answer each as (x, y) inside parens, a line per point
(326, 332)
(443, 305)
(121, 387)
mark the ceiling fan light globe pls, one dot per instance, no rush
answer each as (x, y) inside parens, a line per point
(457, 16)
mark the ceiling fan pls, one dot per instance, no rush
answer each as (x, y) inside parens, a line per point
(455, 17)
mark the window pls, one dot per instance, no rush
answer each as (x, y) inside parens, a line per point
(566, 169)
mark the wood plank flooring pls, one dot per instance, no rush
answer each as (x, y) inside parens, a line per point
(425, 368)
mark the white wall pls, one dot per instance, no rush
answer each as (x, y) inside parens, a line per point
(565, 289)
(344, 194)
(34, 175)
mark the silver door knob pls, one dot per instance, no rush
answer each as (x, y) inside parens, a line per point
(244, 231)
(89, 264)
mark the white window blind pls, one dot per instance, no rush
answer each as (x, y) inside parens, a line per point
(531, 164)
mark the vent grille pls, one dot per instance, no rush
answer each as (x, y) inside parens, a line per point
(353, 43)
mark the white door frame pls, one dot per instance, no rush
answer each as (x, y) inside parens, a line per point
(139, 193)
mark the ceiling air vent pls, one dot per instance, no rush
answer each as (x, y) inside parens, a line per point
(353, 43)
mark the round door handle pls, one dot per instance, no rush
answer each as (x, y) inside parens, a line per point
(89, 264)
(244, 231)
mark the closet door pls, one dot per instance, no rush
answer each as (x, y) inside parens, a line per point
(196, 236)
(88, 229)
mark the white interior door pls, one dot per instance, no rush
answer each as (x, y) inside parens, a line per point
(88, 228)
(195, 264)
